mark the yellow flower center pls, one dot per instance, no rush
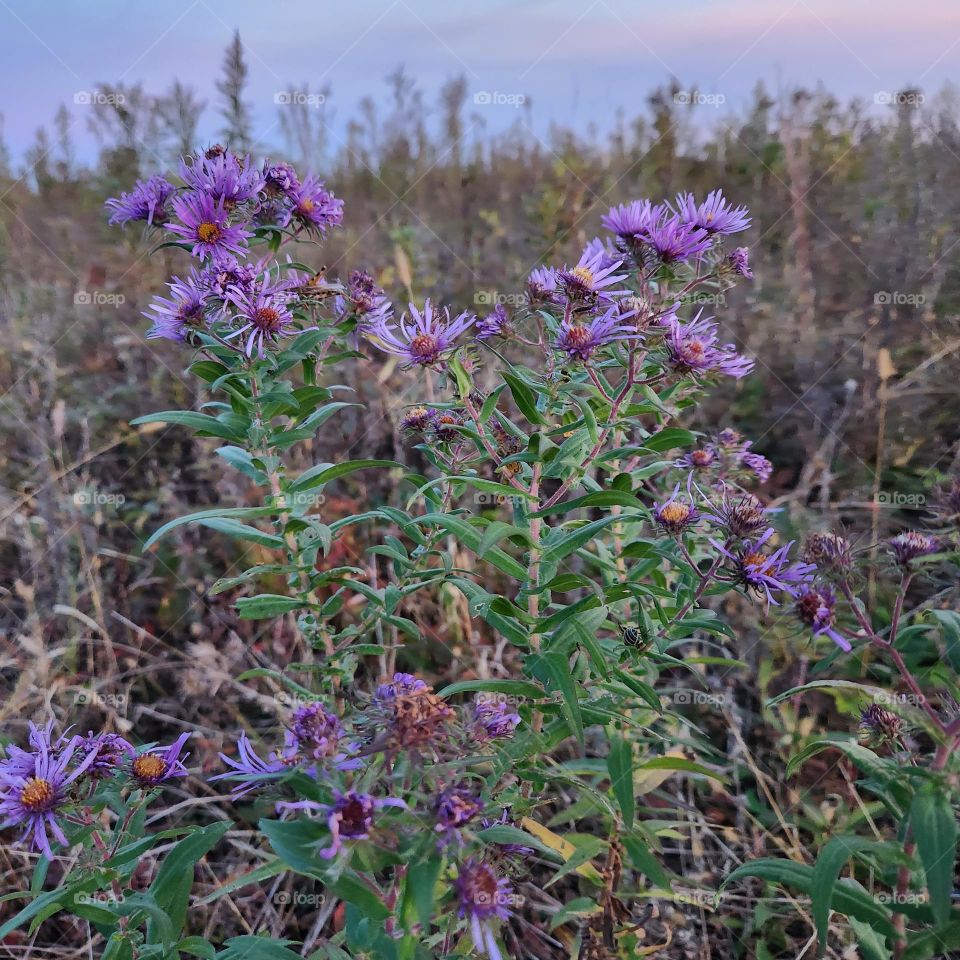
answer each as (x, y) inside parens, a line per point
(759, 561)
(209, 232)
(149, 766)
(306, 205)
(675, 512)
(36, 794)
(577, 335)
(583, 274)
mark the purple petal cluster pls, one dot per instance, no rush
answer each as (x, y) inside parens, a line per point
(422, 339)
(693, 348)
(147, 201)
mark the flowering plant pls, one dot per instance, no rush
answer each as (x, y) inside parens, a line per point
(589, 533)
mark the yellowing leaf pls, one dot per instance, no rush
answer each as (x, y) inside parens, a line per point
(559, 845)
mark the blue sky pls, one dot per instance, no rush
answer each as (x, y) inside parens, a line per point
(576, 62)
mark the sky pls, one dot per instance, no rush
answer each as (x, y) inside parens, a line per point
(571, 61)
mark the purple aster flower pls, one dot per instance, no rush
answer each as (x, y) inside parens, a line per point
(757, 464)
(739, 517)
(204, 222)
(675, 241)
(225, 271)
(483, 896)
(316, 731)
(715, 215)
(250, 770)
(700, 459)
(692, 348)
(280, 179)
(493, 719)
(417, 420)
(589, 279)
(33, 799)
(494, 324)
(401, 685)
(631, 219)
(224, 177)
(879, 725)
(674, 515)
(764, 572)
(173, 317)
(423, 338)
(580, 339)
(263, 313)
(911, 545)
(814, 607)
(739, 262)
(146, 201)
(454, 807)
(314, 207)
(542, 286)
(349, 817)
(23, 762)
(159, 764)
(109, 751)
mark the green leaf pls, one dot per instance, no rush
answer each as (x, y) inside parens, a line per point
(935, 832)
(524, 398)
(201, 422)
(599, 498)
(420, 890)
(620, 765)
(513, 688)
(669, 439)
(241, 531)
(555, 666)
(311, 479)
(247, 513)
(266, 605)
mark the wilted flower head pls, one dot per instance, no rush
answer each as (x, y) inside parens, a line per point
(912, 545)
(159, 764)
(416, 715)
(444, 424)
(224, 177)
(739, 516)
(280, 179)
(700, 459)
(715, 215)
(400, 685)
(349, 817)
(879, 725)
(831, 553)
(316, 730)
(580, 338)
(493, 719)
(758, 464)
(675, 241)
(482, 896)
(675, 515)
(146, 201)
(422, 339)
(454, 807)
(205, 223)
(225, 271)
(417, 419)
(739, 262)
(692, 348)
(815, 608)
(588, 281)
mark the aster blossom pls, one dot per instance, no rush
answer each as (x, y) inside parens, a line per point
(205, 223)
(422, 339)
(579, 339)
(146, 201)
(250, 770)
(675, 515)
(223, 176)
(173, 317)
(673, 240)
(542, 286)
(815, 608)
(629, 220)
(911, 545)
(692, 348)
(493, 719)
(494, 324)
(313, 206)
(714, 215)
(156, 765)
(739, 262)
(482, 896)
(263, 314)
(766, 572)
(594, 273)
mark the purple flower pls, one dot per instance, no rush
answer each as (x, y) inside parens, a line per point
(205, 223)
(739, 262)
(250, 770)
(829, 552)
(493, 719)
(674, 516)
(815, 607)
(692, 348)
(630, 219)
(314, 207)
(156, 766)
(483, 896)
(174, 316)
(879, 724)
(764, 572)
(401, 685)
(739, 517)
(263, 313)
(224, 177)
(417, 420)
(911, 545)
(715, 215)
(422, 339)
(454, 807)
(316, 731)
(109, 751)
(580, 339)
(700, 459)
(494, 324)
(33, 799)
(225, 271)
(757, 463)
(589, 279)
(349, 817)
(280, 179)
(542, 285)
(146, 201)
(674, 240)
